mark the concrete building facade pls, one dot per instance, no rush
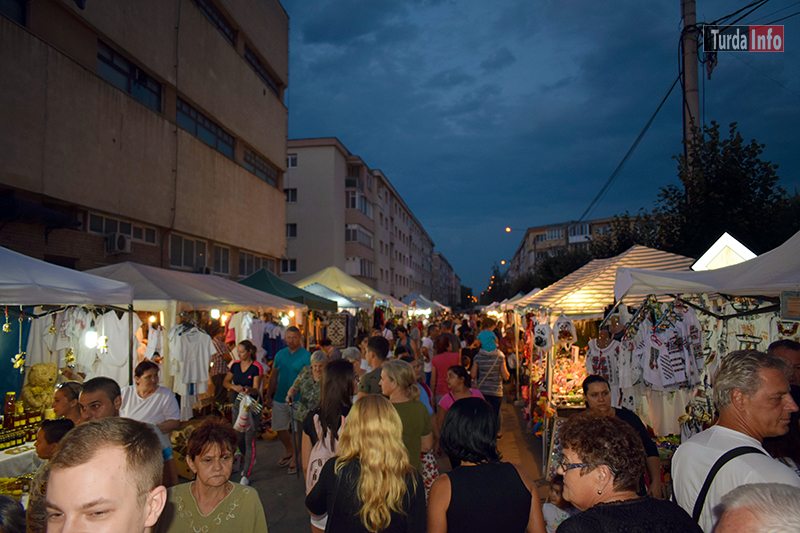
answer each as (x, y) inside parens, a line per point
(447, 289)
(341, 213)
(543, 241)
(151, 131)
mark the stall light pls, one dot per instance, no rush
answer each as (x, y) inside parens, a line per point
(90, 339)
(215, 314)
(285, 321)
(152, 318)
(291, 314)
(223, 319)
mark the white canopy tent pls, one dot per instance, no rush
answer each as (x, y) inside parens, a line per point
(511, 303)
(28, 281)
(171, 291)
(586, 293)
(766, 275)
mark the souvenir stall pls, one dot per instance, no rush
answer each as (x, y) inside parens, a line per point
(175, 298)
(30, 291)
(365, 296)
(419, 305)
(744, 306)
(561, 320)
(347, 308)
(266, 281)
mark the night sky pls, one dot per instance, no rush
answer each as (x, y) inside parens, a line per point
(487, 114)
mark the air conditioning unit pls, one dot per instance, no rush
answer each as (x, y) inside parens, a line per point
(118, 243)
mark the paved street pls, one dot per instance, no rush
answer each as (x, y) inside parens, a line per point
(283, 495)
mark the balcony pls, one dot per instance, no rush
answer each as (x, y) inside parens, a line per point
(355, 183)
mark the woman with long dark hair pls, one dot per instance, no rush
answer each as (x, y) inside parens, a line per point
(322, 426)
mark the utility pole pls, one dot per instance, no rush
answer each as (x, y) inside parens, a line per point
(691, 92)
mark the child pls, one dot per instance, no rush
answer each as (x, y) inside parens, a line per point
(487, 340)
(558, 509)
(47, 439)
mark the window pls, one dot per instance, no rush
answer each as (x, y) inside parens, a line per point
(351, 200)
(105, 225)
(369, 180)
(367, 268)
(291, 231)
(554, 234)
(291, 196)
(216, 18)
(187, 253)
(121, 73)
(262, 71)
(260, 168)
(288, 266)
(251, 263)
(204, 128)
(357, 183)
(365, 206)
(356, 233)
(222, 260)
(579, 230)
(291, 161)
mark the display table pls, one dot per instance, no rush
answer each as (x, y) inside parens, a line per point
(19, 460)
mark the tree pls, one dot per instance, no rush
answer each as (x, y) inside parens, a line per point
(626, 232)
(554, 267)
(725, 186)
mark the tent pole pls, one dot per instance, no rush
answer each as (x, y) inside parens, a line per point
(516, 348)
(130, 344)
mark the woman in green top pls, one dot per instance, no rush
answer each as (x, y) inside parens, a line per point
(211, 502)
(398, 382)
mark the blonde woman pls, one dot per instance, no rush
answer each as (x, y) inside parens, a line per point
(399, 384)
(371, 487)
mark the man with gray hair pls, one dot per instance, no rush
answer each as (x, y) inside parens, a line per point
(759, 508)
(751, 394)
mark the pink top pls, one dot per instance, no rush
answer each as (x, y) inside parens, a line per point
(441, 363)
(448, 399)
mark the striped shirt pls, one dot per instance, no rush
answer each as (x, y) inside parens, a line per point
(489, 381)
(218, 364)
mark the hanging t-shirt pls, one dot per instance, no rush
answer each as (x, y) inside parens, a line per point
(783, 329)
(564, 331)
(603, 362)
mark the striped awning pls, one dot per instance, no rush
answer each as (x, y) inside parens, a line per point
(590, 289)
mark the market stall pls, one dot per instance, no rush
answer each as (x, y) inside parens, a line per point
(560, 322)
(33, 293)
(171, 296)
(419, 305)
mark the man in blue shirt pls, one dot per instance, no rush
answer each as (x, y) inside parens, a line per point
(288, 364)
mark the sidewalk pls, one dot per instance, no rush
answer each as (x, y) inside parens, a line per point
(283, 495)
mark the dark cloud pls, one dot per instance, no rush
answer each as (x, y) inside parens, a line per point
(487, 115)
(450, 78)
(498, 60)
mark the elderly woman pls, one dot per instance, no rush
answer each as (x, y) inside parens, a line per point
(211, 502)
(602, 463)
(371, 486)
(597, 393)
(483, 494)
(147, 402)
(307, 386)
(65, 401)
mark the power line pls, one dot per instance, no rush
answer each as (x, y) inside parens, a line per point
(749, 12)
(748, 6)
(736, 56)
(630, 151)
(783, 18)
(774, 13)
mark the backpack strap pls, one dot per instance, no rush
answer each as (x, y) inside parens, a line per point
(726, 457)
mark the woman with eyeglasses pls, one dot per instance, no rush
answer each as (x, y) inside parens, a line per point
(597, 394)
(602, 462)
(65, 401)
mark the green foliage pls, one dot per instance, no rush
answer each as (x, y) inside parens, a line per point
(725, 186)
(625, 233)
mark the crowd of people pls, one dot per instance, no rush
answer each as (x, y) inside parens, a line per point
(372, 419)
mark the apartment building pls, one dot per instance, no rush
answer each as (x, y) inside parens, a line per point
(341, 213)
(447, 289)
(151, 131)
(542, 241)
